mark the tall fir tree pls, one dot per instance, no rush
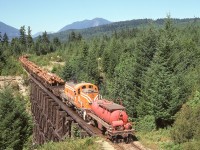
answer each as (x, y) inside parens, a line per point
(0, 37)
(122, 86)
(14, 126)
(29, 38)
(145, 48)
(5, 39)
(160, 96)
(92, 63)
(22, 37)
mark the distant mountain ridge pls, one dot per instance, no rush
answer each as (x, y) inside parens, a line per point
(9, 30)
(86, 24)
(110, 28)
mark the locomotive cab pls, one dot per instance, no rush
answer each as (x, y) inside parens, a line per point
(81, 95)
(87, 93)
(92, 93)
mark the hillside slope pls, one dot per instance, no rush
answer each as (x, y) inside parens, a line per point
(117, 26)
(9, 30)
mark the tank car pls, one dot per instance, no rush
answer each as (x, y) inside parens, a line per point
(112, 119)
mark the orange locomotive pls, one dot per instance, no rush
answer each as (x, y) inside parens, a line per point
(81, 96)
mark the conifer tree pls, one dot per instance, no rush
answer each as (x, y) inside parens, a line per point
(29, 38)
(22, 35)
(5, 39)
(67, 73)
(16, 48)
(45, 38)
(92, 64)
(122, 86)
(160, 94)
(56, 41)
(114, 51)
(0, 37)
(146, 47)
(105, 60)
(14, 124)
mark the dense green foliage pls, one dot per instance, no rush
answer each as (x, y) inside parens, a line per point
(14, 125)
(146, 124)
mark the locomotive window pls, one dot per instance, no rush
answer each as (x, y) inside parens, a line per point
(83, 87)
(90, 86)
(78, 91)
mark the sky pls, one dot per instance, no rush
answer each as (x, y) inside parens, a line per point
(52, 15)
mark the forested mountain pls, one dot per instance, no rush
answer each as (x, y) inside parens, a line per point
(10, 31)
(117, 26)
(85, 24)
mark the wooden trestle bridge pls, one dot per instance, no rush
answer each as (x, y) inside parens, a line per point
(53, 120)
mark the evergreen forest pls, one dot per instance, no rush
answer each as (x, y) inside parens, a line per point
(153, 71)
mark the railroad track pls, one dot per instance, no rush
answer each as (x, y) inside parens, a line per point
(129, 146)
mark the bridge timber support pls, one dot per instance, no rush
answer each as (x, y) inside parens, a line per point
(50, 121)
(53, 120)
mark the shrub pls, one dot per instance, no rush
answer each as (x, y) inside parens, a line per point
(193, 145)
(146, 124)
(186, 127)
(171, 146)
(71, 144)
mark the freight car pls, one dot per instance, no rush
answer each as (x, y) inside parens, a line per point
(49, 79)
(112, 119)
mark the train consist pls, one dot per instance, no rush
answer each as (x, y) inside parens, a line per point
(109, 117)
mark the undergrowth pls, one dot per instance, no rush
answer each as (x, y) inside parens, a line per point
(72, 144)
